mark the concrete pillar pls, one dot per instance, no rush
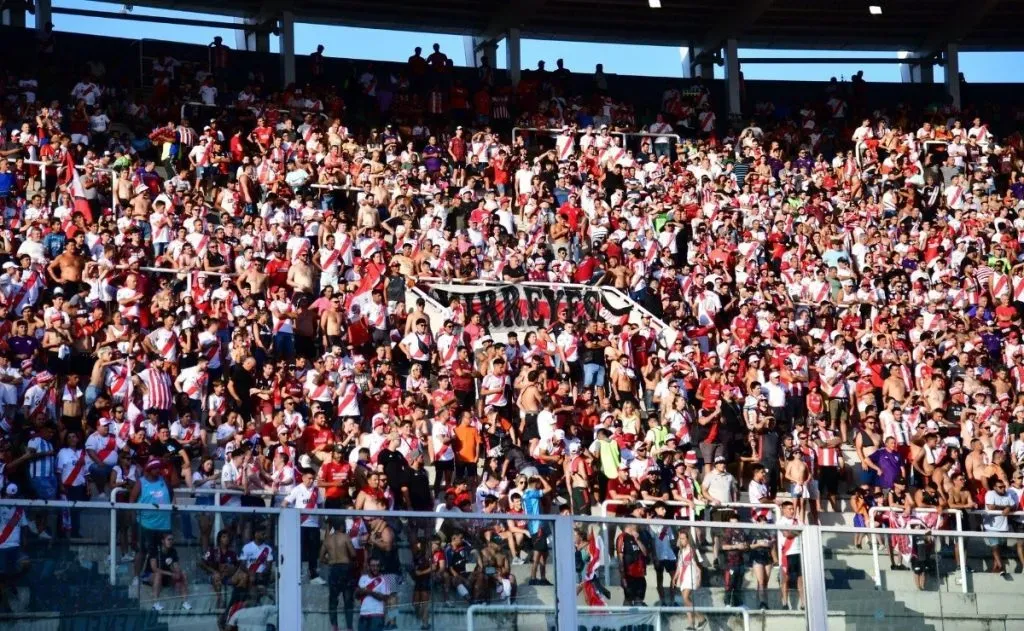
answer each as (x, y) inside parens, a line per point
(732, 78)
(953, 74)
(703, 70)
(513, 55)
(916, 73)
(477, 48)
(251, 40)
(288, 47)
(44, 14)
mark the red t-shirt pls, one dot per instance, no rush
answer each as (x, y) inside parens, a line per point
(620, 488)
(316, 439)
(712, 392)
(263, 135)
(336, 472)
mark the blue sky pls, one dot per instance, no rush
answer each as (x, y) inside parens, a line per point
(579, 56)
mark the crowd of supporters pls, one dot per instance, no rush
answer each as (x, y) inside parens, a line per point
(828, 302)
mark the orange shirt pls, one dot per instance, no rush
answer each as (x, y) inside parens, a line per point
(467, 443)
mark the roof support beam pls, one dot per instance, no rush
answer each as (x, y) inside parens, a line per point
(739, 20)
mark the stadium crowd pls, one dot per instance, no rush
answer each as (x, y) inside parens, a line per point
(829, 302)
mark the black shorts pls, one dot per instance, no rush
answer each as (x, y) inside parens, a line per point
(665, 566)
(634, 588)
(760, 556)
(540, 540)
(794, 569)
(919, 566)
(828, 480)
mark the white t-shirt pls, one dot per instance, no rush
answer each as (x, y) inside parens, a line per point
(757, 491)
(301, 497)
(546, 423)
(208, 94)
(98, 444)
(998, 523)
(7, 516)
(67, 460)
(251, 552)
(794, 547)
(438, 432)
(371, 606)
(230, 474)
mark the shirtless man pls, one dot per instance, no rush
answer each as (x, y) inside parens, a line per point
(975, 464)
(254, 277)
(140, 201)
(893, 387)
(617, 274)
(331, 323)
(338, 554)
(70, 264)
(404, 260)
(367, 216)
(797, 476)
(418, 312)
(123, 192)
(301, 276)
(995, 468)
(529, 403)
(72, 407)
(622, 377)
(577, 480)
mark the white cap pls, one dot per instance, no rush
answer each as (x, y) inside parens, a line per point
(11, 490)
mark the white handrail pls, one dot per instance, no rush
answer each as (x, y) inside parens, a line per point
(957, 513)
(44, 165)
(112, 562)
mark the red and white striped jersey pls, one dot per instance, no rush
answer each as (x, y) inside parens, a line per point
(159, 393)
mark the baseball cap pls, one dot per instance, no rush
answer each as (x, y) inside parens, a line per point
(11, 489)
(719, 459)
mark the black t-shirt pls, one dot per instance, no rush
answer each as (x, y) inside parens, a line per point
(243, 381)
(418, 483)
(170, 449)
(613, 182)
(517, 271)
(165, 559)
(592, 355)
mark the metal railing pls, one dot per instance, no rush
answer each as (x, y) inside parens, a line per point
(958, 514)
(693, 508)
(44, 165)
(553, 133)
(656, 614)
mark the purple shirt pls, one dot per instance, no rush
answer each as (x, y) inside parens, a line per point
(891, 464)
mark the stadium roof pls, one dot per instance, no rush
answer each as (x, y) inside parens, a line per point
(920, 26)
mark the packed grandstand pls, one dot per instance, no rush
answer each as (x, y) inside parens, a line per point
(428, 292)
